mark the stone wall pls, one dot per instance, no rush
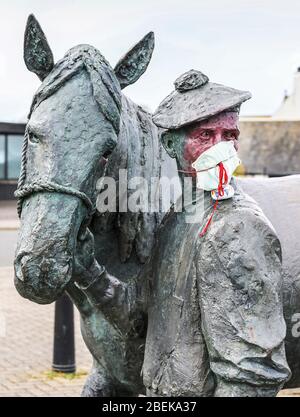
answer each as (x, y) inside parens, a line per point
(269, 146)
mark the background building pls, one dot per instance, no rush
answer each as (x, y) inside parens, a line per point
(270, 145)
(11, 139)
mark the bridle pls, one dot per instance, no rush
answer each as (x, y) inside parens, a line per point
(40, 186)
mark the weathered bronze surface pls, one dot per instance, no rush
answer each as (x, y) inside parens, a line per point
(197, 316)
(188, 105)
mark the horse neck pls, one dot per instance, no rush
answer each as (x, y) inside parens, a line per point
(139, 152)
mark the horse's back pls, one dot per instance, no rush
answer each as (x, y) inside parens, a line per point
(279, 199)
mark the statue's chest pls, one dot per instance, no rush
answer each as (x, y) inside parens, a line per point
(176, 360)
(173, 259)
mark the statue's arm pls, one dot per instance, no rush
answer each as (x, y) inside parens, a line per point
(98, 289)
(239, 278)
(114, 298)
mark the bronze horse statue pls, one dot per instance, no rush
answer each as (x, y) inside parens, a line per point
(81, 127)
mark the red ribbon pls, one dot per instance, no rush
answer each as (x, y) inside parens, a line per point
(203, 231)
(223, 179)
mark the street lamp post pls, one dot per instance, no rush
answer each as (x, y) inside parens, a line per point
(64, 343)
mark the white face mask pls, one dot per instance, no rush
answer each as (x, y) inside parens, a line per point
(208, 170)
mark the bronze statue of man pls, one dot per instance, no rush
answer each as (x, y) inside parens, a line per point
(215, 320)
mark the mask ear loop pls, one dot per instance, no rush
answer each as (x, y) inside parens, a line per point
(223, 179)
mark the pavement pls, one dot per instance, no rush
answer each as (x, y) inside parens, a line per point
(26, 346)
(26, 334)
(8, 215)
(9, 225)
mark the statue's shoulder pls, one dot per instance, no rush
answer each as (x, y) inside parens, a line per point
(243, 215)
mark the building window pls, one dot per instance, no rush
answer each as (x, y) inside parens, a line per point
(10, 156)
(14, 148)
(2, 157)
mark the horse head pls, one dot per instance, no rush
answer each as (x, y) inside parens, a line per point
(73, 124)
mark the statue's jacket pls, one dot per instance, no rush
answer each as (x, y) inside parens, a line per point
(214, 304)
(215, 319)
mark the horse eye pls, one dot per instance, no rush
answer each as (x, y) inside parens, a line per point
(107, 153)
(32, 138)
(109, 148)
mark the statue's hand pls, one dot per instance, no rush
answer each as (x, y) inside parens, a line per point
(84, 258)
(87, 272)
(104, 292)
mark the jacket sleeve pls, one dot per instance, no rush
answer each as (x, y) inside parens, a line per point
(239, 281)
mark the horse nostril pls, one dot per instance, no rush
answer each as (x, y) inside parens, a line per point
(20, 263)
(19, 275)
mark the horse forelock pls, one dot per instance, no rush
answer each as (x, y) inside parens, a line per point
(105, 85)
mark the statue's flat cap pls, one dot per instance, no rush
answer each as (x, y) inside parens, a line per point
(196, 99)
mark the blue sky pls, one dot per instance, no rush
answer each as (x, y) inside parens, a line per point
(247, 44)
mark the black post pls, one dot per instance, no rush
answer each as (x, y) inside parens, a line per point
(64, 344)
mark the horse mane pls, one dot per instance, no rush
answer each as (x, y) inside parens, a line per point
(106, 87)
(140, 152)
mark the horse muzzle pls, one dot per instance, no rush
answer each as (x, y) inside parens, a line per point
(45, 249)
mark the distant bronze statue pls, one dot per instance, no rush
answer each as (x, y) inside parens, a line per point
(210, 305)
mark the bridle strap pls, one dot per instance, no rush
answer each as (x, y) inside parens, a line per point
(40, 186)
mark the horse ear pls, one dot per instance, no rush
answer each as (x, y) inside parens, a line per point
(38, 56)
(129, 68)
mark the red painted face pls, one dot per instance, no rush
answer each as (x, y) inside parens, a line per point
(205, 134)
